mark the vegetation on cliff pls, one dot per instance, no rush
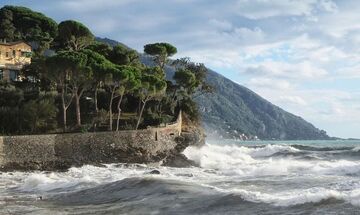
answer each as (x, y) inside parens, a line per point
(100, 84)
(76, 83)
(234, 111)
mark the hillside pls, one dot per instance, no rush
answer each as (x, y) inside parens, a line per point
(234, 110)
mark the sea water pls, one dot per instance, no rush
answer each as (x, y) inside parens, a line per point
(233, 177)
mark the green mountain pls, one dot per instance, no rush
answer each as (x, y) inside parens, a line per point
(234, 111)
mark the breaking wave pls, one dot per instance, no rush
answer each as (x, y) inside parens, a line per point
(279, 178)
(258, 161)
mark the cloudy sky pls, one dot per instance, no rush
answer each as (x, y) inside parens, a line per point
(302, 55)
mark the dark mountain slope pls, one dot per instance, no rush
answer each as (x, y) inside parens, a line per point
(110, 42)
(234, 110)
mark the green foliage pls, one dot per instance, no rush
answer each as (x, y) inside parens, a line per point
(186, 80)
(191, 76)
(10, 96)
(21, 23)
(79, 71)
(72, 67)
(39, 115)
(97, 63)
(155, 70)
(18, 115)
(122, 55)
(152, 87)
(161, 51)
(7, 28)
(101, 48)
(189, 83)
(154, 119)
(190, 107)
(73, 36)
(10, 103)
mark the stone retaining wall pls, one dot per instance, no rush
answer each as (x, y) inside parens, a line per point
(60, 151)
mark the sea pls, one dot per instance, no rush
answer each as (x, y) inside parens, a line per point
(233, 177)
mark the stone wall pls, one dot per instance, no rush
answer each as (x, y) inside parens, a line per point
(60, 151)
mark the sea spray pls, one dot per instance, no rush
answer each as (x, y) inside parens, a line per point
(254, 178)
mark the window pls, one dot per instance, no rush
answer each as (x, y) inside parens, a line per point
(25, 54)
(7, 54)
(14, 53)
(13, 75)
(1, 74)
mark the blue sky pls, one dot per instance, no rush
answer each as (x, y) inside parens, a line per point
(302, 55)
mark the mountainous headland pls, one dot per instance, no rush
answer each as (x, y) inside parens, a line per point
(65, 80)
(233, 111)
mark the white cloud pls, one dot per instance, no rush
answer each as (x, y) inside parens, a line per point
(327, 108)
(255, 34)
(328, 5)
(293, 100)
(93, 5)
(259, 9)
(349, 72)
(341, 23)
(222, 25)
(269, 83)
(302, 70)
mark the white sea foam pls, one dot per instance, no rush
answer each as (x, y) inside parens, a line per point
(75, 178)
(298, 197)
(251, 172)
(217, 162)
(356, 149)
(245, 161)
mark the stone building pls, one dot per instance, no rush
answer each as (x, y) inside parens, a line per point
(13, 56)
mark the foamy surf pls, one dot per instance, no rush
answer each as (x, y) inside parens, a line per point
(254, 178)
(256, 161)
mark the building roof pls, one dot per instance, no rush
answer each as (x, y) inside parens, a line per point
(12, 43)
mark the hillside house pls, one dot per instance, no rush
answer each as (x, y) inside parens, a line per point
(13, 57)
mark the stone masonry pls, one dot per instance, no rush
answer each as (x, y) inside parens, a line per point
(60, 151)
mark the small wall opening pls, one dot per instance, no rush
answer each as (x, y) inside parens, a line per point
(156, 136)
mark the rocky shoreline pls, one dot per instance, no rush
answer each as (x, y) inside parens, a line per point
(58, 152)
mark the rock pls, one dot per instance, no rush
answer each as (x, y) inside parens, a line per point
(185, 175)
(178, 160)
(154, 172)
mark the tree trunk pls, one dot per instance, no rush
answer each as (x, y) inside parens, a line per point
(141, 112)
(119, 111)
(96, 99)
(160, 109)
(173, 100)
(110, 109)
(77, 103)
(139, 107)
(64, 117)
(63, 107)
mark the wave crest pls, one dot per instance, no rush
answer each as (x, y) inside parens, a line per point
(261, 161)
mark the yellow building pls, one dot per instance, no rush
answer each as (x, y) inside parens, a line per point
(13, 56)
